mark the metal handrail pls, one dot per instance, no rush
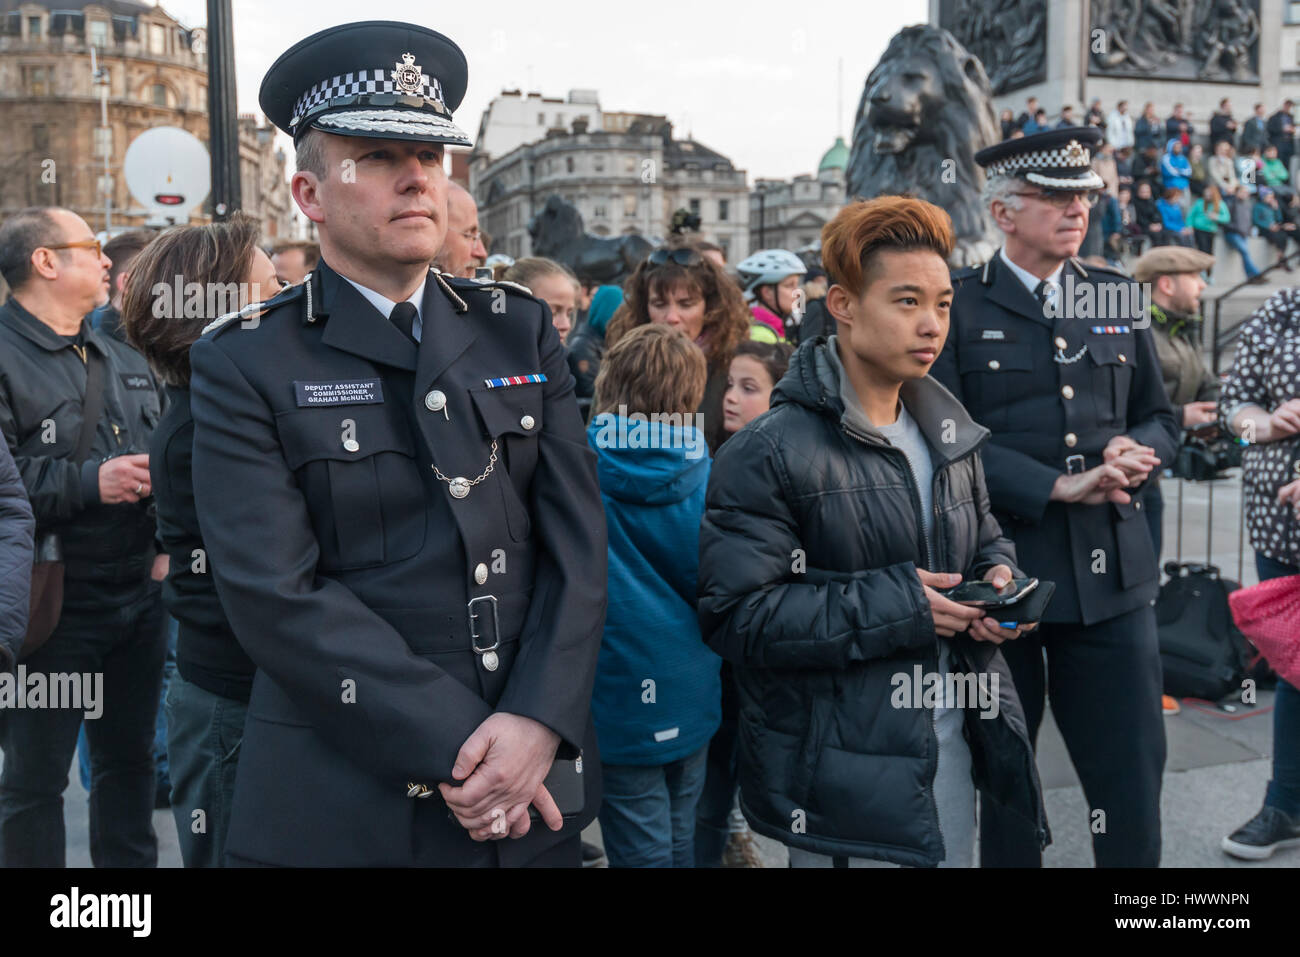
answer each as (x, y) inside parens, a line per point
(1223, 339)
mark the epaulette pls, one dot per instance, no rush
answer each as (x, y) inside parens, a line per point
(452, 283)
(1085, 268)
(256, 308)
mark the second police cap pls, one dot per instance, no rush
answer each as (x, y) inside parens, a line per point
(376, 78)
(1056, 159)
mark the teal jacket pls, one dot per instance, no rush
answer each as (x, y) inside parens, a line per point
(1200, 218)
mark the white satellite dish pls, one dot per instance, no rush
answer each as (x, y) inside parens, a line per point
(168, 172)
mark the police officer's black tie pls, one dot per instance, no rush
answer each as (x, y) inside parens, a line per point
(403, 316)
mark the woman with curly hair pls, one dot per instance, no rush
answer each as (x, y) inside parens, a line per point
(686, 290)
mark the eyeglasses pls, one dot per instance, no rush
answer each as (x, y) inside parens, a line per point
(682, 256)
(1062, 198)
(473, 235)
(94, 244)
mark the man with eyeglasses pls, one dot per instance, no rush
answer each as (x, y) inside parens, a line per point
(462, 251)
(1056, 359)
(88, 483)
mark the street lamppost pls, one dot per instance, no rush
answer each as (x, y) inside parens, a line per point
(223, 120)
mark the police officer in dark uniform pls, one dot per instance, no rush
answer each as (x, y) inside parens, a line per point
(1055, 359)
(399, 505)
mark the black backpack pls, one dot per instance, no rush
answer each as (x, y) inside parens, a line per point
(1203, 653)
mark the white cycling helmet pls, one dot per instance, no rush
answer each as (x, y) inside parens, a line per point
(769, 266)
(498, 259)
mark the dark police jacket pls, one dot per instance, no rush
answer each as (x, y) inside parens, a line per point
(999, 360)
(107, 549)
(346, 567)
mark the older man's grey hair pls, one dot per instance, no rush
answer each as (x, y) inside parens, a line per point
(999, 186)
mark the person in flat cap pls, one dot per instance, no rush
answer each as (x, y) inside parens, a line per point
(1171, 276)
(1055, 359)
(399, 505)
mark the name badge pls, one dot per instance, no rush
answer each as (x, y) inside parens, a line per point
(132, 380)
(346, 392)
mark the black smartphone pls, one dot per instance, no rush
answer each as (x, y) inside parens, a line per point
(982, 594)
(565, 782)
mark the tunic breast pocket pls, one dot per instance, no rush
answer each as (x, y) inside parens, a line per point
(993, 377)
(357, 469)
(1112, 373)
(513, 416)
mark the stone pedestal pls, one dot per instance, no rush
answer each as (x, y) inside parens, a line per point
(1070, 74)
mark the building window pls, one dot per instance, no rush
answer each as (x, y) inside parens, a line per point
(157, 39)
(97, 33)
(629, 164)
(1293, 12)
(726, 247)
(34, 28)
(629, 204)
(600, 212)
(724, 210)
(41, 139)
(568, 164)
(541, 119)
(598, 163)
(695, 207)
(35, 80)
(158, 94)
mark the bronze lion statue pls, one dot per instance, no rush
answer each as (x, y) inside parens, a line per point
(926, 110)
(557, 233)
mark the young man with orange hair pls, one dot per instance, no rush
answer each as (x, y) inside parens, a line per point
(832, 523)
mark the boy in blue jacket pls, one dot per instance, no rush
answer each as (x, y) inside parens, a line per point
(657, 696)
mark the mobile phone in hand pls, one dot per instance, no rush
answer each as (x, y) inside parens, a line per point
(981, 594)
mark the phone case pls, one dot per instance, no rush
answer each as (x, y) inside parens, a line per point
(1029, 609)
(566, 784)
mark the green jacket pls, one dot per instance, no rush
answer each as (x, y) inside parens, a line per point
(1186, 377)
(1201, 219)
(1275, 172)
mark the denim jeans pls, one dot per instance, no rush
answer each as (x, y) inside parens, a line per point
(204, 732)
(126, 645)
(648, 815)
(1284, 790)
(160, 726)
(1238, 242)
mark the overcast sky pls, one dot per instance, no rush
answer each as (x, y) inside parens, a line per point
(755, 81)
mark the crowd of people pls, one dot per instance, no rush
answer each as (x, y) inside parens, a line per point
(703, 528)
(1168, 183)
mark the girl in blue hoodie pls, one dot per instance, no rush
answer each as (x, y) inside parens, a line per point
(657, 696)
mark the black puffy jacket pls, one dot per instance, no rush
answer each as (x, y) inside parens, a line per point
(808, 585)
(16, 527)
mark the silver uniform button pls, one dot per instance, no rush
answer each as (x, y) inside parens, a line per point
(1123, 358)
(1071, 439)
(490, 660)
(1060, 342)
(994, 364)
(1138, 506)
(480, 573)
(435, 401)
(351, 445)
(527, 422)
(1067, 391)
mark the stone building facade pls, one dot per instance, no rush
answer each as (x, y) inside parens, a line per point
(156, 73)
(790, 214)
(626, 182)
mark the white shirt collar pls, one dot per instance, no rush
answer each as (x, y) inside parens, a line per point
(385, 305)
(1028, 279)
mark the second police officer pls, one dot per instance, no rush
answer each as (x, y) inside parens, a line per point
(1070, 387)
(399, 505)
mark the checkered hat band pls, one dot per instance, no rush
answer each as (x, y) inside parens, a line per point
(364, 81)
(1043, 160)
(411, 122)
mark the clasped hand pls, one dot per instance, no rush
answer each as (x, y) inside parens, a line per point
(502, 766)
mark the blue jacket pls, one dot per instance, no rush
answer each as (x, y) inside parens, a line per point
(658, 696)
(1175, 168)
(1171, 214)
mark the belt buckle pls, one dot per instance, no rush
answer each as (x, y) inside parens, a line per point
(496, 624)
(1071, 461)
